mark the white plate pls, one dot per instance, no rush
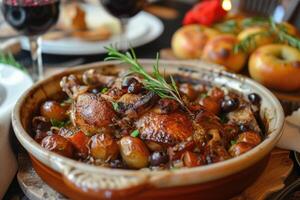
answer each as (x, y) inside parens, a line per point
(13, 83)
(142, 29)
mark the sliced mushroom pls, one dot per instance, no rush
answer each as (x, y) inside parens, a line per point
(72, 86)
(244, 115)
(91, 77)
(142, 105)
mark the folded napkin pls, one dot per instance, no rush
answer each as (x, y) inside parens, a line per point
(8, 166)
(13, 83)
(290, 138)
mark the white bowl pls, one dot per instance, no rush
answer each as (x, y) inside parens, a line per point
(13, 82)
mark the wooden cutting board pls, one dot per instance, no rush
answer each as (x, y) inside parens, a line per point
(271, 180)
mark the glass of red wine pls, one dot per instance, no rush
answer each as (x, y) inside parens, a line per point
(32, 18)
(123, 10)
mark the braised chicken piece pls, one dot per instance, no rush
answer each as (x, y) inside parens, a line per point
(117, 121)
(167, 106)
(91, 113)
(168, 129)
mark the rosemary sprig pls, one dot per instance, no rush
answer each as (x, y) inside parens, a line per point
(155, 82)
(254, 21)
(283, 35)
(273, 28)
(229, 26)
(10, 60)
(234, 26)
(249, 42)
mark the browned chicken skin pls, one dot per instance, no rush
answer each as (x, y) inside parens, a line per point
(92, 113)
(165, 128)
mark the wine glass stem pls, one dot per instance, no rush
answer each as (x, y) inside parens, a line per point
(36, 56)
(123, 43)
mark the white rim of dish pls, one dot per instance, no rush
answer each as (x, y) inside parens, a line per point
(8, 104)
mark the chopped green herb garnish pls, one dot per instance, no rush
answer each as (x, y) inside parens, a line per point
(59, 124)
(173, 168)
(203, 95)
(115, 106)
(223, 118)
(66, 102)
(10, 60)
(89, 134)
(249, 42)
(135, 133)
(229, 26)
(233, 142)
(272, 29)
(104, 90)
(254, 21)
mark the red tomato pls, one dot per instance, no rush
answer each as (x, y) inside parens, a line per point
(191, 159)
(80, 141)
(211, 105)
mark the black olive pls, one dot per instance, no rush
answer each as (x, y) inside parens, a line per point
(41, 123)
(229, 105)
(95, 91)
(116, 164)
(128, 81)
(134, 88)
(254, 98)
(158, 158)
(244, 127)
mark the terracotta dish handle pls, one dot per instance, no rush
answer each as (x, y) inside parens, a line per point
(105, 186)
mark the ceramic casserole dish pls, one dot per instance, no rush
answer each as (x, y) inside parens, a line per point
(78, 180)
